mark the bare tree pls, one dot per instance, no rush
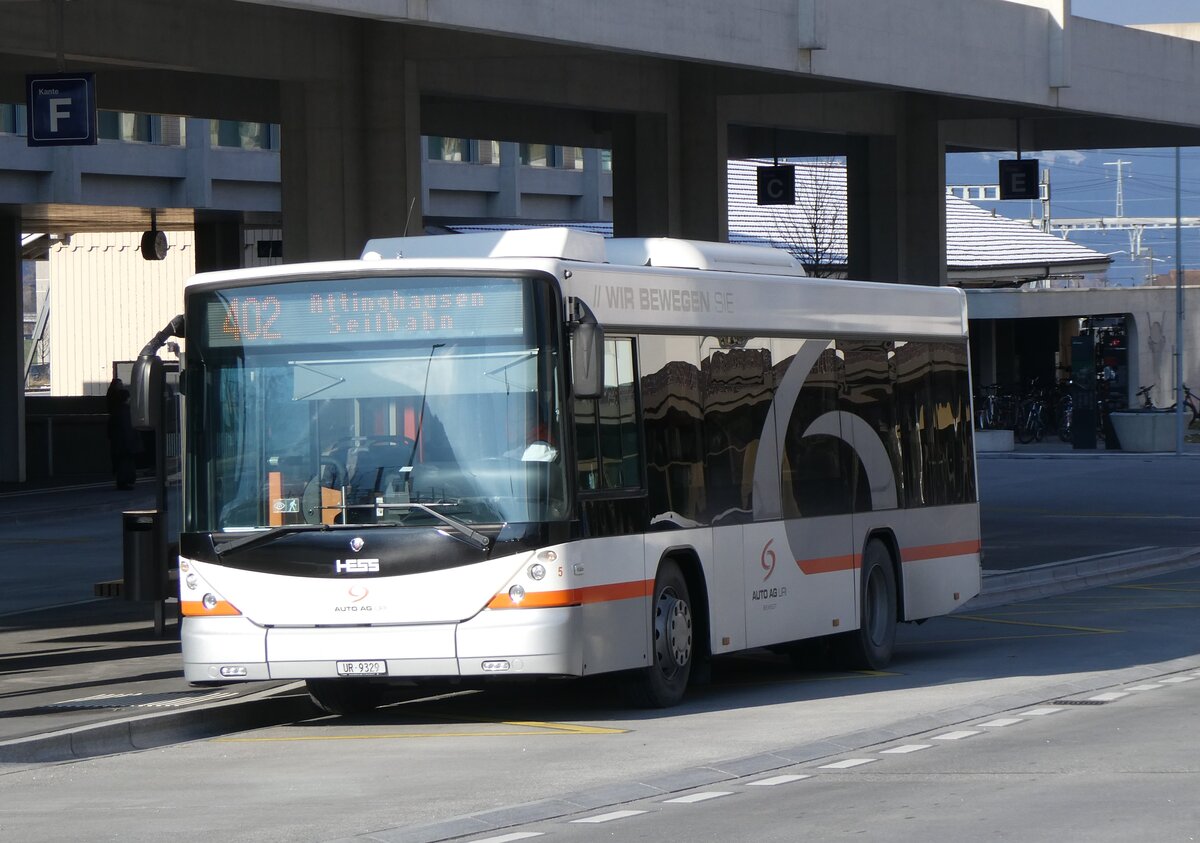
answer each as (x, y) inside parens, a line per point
(813, 230)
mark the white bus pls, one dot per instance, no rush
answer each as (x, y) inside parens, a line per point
(541, 453)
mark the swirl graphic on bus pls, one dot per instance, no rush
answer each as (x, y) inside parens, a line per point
(768, 560)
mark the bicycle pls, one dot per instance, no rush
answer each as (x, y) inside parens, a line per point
(1191, 403)
(1064, 412)
(1031, 424)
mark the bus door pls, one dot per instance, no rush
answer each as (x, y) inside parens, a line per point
(869, 412)
(800, 570)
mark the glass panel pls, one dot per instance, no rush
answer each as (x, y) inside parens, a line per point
(239, 135)
(818, 472)
(535, 155)
(869, 396)
(326, 402)
(738, 388)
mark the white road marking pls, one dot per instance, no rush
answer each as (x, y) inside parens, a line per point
(1109, 697)
(907, 748)
(957, 736)
(698, 797)
(1003, 721)
(848, 763)
(1040, 712)
(508, 838)
(1148, 687)
(774, 780)
(1175, 680)
(609, 817)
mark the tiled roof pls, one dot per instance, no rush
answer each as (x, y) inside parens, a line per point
(981, 247)
(975, 239)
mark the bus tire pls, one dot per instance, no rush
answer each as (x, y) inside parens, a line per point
(664, 682)
(870, 646)
(344, 696)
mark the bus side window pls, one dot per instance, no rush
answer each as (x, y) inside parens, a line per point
(607, 433)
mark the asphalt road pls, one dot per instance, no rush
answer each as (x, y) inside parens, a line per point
(1049, 510)
(1118, 771)
(488, 763)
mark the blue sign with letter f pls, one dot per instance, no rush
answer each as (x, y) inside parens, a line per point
(61, 109)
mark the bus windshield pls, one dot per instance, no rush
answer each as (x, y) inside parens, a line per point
(373, 401)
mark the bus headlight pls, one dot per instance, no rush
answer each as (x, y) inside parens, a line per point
(537, 571)
(516, 594)
(209, 601)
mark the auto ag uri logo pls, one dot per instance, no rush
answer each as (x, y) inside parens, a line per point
(358, 593)
(768, 560)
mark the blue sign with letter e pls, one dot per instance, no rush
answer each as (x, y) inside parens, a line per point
(61, 109)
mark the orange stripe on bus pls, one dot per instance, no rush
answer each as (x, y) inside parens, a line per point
(194, 608)
(940, 551)
(830, 564)
(575, 596)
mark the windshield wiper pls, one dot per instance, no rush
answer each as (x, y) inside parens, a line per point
(472, 536)
(260, 536)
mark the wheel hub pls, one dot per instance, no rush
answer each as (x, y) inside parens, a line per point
(672, 633)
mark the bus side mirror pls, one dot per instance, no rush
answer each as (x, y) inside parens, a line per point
(146, 392)
(587, 360)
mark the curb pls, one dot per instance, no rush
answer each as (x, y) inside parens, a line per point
(254, 711)
(1055, 578)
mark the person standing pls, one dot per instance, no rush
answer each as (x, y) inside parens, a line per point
(123, 443)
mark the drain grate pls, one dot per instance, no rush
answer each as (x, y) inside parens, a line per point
(1080, 702)
(173, 699)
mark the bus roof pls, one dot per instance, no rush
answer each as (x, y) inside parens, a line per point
(657, 284)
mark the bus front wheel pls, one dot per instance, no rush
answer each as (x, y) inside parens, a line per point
(664, 682)
(344, 696)
(870, 646)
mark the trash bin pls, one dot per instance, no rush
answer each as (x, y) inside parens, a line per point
(145, 567)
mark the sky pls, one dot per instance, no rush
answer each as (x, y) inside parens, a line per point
(1138, 11)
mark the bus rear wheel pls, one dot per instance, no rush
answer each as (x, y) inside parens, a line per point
(664, 682)
(870, 646)
(344, 696)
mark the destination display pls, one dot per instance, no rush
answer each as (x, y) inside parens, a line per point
(353, 310)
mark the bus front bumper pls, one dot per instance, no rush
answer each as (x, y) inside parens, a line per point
(496, 642)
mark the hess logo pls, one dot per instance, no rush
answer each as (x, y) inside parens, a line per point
(356, 566)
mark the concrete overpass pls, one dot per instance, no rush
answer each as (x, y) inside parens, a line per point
(674, 88)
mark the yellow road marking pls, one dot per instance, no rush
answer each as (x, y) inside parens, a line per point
(1165, 587)
(1087, 629)
(1059, 514)
(538, 729)
(1041, 637)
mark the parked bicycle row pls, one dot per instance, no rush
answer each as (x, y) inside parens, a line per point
(1040, 411)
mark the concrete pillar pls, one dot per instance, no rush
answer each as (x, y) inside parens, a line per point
(350, 156)
(219, 244)
(871, 191)
(921, 182)
(642, 176)
(703, 141)
(12, 354)
(591, 201)
(897, 194)
(507, 203)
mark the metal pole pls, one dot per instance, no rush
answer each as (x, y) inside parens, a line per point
(1178, 309)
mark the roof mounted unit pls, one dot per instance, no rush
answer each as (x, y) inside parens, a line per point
(700, 254)
(560, 243)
